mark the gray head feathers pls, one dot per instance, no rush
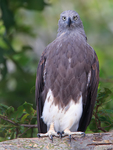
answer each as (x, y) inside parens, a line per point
(70, 22)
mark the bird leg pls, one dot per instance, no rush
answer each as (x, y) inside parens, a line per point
(50, 133)
(68, 132)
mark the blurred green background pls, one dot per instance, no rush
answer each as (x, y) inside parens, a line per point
(28, 26)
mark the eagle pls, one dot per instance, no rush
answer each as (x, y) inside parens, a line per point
(67, 81)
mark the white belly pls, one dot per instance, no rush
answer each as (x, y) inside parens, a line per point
(67, 117)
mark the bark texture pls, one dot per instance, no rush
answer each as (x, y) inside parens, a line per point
(97, 141)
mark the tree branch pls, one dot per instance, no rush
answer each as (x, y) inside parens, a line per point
(24, 132)
(28, 125)
(6, 119)
(24, 125)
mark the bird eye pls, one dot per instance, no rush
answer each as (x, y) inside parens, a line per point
(75, 17)
(64, 18)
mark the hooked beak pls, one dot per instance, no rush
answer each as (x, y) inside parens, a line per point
(69, 22)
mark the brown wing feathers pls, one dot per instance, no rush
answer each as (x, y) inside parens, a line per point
(42, 128)
(91, 96)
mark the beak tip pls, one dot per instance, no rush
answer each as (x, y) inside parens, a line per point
(69, 21)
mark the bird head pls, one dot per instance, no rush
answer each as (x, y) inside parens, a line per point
(69, 21)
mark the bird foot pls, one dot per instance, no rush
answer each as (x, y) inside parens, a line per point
(50, 133)
(69, 133)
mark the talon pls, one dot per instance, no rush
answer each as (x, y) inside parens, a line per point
(58, 132)
(61, 133)
(70, 138)
(51, 138)
(38, 135)
(83, 134)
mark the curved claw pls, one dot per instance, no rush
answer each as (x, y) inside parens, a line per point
(83, 134)
(70, 138)
(60, 133)
(38, 135)
(51, 137)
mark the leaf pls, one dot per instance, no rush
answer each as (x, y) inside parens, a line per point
(103, 95)
(110, 111)
(20, 111)
(9, 110)
(3, 108)
(7, 15)
(108, 91)
(105, 119)
(28, 107)
(24, 117)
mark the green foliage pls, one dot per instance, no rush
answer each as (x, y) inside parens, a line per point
(102, 119)
(17, 77)
(8, 9)
(18, 59)
(13, 122)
